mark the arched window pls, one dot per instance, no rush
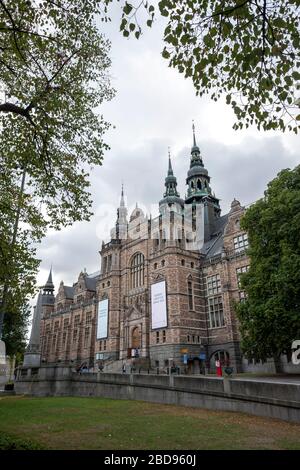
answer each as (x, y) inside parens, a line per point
(199, 184)
(137, 270)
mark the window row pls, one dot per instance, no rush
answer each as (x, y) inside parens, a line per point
(213, 285)
(102, 345)
(183, 263)
(193, 339)
(240, 243)
(164, 337)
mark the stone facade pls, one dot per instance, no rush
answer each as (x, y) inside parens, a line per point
(200, 256)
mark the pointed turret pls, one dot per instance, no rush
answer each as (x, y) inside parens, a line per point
(170, 170)
(45, 300)
(120, 230)
(171, 197)
(49, 286)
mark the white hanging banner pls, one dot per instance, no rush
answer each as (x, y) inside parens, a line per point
(159, 305)
(102, 319)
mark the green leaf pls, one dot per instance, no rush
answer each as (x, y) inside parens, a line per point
(127, 8)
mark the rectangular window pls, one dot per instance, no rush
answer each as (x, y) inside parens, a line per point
(66, 322)
(240, 243)
(164, 336)
(109, 263)
(242, 295)
(239, 271)
(215, 312)
(88, 318)
(190, 295)
(104, 345)
(76, 321)
(213, 285)
(157, 337)
(104, 265)
(64, 341)
(86, 337)
(75, 336)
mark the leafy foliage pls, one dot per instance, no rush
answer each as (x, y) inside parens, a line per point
(53, 76)
(269, 318)
(248, 50)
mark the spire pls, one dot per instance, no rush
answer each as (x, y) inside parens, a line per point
(120, 229)
(49, 286)
(194, 138)
(195, 149)
(122, 202)
(170, 180)
(171, 196)
(170, 170)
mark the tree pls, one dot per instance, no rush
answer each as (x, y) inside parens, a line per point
(270, 316)
(53, 75)
(18, 263)
(246, 50)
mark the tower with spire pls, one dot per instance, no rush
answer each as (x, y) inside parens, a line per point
(199, 190)
(171, 199)
(45, 302)
(119, 232)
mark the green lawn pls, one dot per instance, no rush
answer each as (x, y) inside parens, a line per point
(98, 423)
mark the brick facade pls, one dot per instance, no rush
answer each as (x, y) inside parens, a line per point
(201, 288)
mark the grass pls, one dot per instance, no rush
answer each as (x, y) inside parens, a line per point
(99, 423)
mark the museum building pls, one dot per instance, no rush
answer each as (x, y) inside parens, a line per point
(166, 290)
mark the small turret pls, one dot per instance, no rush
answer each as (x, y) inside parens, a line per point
(45, 299)
(120, 230)
(171, 199)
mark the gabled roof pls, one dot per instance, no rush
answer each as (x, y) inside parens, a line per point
(90, 283)
(69, 292)
(214, 246)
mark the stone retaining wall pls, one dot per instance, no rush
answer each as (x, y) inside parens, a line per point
(276, 400)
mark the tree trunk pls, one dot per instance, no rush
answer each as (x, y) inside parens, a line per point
(277, 363)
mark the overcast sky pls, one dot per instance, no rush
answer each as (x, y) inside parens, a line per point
(153, 109)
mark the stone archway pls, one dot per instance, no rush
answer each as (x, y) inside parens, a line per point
(220, 355)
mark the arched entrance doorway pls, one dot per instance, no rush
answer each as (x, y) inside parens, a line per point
(221, 355)
(135, 338)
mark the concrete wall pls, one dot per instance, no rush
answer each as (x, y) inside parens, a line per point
(259, 398)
